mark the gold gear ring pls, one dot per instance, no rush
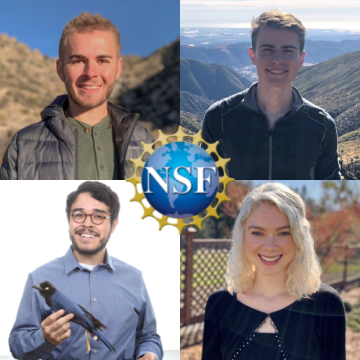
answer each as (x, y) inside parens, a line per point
(210, 210)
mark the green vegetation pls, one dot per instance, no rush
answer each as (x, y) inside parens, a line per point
(190, 122)
(353, 318)
(337, 268)
(353, 135)
(348, 307)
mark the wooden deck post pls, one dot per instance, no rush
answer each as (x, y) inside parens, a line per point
(188, 279)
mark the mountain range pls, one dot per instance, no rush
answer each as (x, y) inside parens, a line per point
(211, 81)
(201, 85)
(333, 85)
(237, 56)
(205, 37)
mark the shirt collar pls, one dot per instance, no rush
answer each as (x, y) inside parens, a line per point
(108, 261)
(250, 101)
(71, 263)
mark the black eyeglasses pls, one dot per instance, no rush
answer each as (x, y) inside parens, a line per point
(97, 218)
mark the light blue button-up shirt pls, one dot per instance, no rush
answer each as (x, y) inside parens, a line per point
(113, 292)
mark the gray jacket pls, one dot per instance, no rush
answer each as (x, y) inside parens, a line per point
(47, 150)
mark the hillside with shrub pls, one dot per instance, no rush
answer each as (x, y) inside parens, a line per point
(335, 86)
(29, 82)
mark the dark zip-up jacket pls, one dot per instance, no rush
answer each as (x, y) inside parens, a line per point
(47, 150)
(302, 145)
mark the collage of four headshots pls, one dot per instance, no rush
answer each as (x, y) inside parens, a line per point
(228, 125)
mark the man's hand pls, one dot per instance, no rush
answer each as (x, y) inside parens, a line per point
(56, 329)
(148, 356)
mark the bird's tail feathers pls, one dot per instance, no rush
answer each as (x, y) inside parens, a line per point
(96, 335)
(97, 323)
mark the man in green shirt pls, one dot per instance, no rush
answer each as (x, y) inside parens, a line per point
(81, 135)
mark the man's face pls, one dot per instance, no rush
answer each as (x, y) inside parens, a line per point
(88, 238)
(90, 68)
(277, 57)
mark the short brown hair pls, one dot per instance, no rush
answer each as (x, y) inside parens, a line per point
(277, 20)
(99, 192)
(85, 23)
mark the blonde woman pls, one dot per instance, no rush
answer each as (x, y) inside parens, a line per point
(274, 306)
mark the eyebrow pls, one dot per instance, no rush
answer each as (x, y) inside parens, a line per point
(80, 56)
(95, 210)
(283, 47)
(260, 228)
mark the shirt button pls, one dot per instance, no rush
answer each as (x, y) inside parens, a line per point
(95, 351)
(92, 275)
(102, 167)
(95, 133)
(99, 148)
(94, 299)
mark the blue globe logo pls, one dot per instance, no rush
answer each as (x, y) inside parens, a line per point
(180, 180)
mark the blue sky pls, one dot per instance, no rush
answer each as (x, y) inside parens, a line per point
(144, 25)
(314, 14)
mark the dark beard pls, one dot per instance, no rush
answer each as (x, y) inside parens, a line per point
(102, 245)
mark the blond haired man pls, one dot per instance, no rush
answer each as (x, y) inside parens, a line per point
(81, 135)
(269, 131)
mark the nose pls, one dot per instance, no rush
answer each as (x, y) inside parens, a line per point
(277, 57)
(270, 243)
(87, 221)
(91, 69)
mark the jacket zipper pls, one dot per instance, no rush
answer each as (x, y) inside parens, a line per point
(271, 129)
(134, 120)
(270, 141)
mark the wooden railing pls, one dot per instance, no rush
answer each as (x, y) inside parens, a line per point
(202, 269)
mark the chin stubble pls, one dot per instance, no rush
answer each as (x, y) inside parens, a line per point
(102, 245)
(83, 105)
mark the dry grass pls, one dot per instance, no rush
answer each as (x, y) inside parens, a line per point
(349, 150)
(29, 82)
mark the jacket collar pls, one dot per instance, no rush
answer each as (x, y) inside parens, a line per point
(71, 263)
(250, 101)
(56, 119)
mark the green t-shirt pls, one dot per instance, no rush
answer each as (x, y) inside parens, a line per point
(97, 157)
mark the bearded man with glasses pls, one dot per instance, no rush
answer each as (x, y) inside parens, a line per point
(111, 290)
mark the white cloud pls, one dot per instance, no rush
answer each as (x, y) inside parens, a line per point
(191, 32)
(294, 4)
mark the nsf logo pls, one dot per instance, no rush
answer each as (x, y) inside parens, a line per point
(180, 180)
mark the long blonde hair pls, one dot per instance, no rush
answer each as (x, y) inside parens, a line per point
(303, 275)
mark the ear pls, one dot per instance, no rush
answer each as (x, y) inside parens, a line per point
(252, 55)
(302, 58)
(60, 70)
(114, 225)
(119, 67)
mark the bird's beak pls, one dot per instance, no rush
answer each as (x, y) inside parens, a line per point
(37, 287)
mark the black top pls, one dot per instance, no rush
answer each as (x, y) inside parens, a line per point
(262, 346)
(310, 329)
(302, 145)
